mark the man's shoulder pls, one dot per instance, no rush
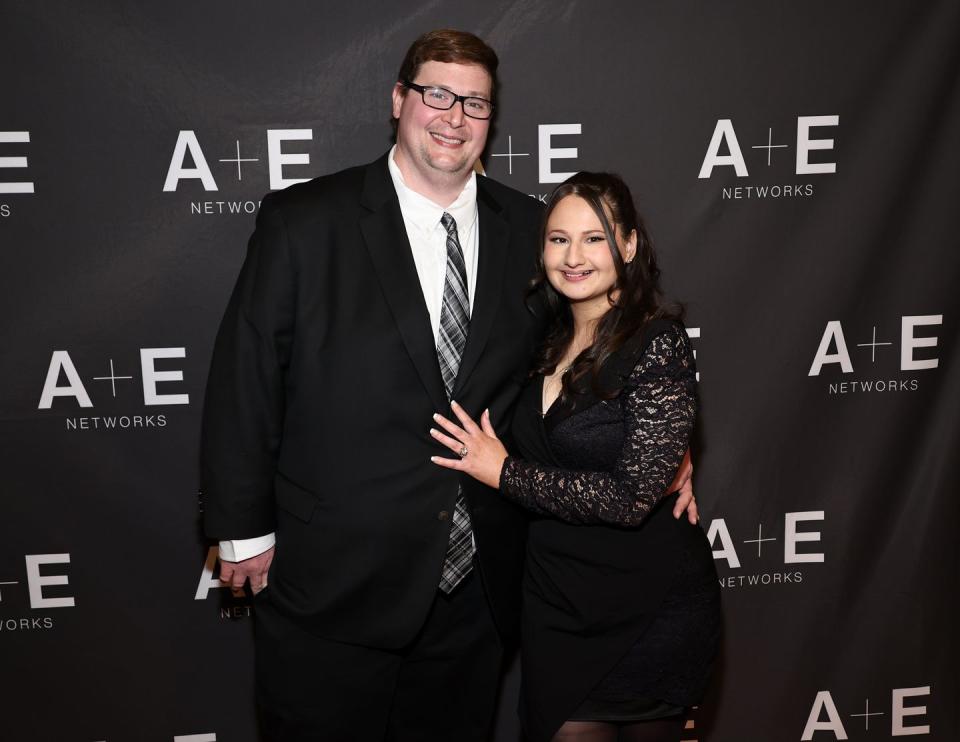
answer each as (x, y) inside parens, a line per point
(510, 198)
(333, 190)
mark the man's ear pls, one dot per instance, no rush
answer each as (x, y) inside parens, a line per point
(398, 94)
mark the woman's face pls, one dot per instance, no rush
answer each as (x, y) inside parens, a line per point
(577, 258)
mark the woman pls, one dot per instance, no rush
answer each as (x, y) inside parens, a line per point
(621, 600)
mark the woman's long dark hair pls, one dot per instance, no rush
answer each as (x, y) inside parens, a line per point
(635, 297)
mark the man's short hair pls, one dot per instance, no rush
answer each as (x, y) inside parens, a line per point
(448, 45)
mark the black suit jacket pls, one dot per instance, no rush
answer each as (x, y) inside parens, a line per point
(319, 401)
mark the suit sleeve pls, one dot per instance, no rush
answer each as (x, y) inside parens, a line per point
(659, 411)
(244, 402)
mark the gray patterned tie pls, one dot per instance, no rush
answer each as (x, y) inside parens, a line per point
(454, 325)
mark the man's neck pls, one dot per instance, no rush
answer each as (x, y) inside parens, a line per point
(442, 190)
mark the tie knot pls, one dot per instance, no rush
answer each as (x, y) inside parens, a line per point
(449, 223)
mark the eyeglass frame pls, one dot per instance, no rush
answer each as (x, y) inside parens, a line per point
(461, 99)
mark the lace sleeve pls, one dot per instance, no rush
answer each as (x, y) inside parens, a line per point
(659, 405)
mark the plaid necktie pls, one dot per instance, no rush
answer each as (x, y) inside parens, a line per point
(454, 325)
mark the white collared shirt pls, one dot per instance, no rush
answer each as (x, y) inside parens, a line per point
(428, 243)
(428, 238)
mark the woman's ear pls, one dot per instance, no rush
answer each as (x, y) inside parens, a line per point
(630, 247)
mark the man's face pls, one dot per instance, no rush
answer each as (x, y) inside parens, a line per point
(440, 144)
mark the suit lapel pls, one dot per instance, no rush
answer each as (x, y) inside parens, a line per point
(494, 240)
(386, 240)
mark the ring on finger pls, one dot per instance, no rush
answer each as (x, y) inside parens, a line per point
(463, 452)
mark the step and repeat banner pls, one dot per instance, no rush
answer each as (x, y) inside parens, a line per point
(798, 166)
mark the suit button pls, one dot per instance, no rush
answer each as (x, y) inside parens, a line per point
(443, 515)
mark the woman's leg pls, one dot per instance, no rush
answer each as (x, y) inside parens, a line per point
(655, 730)
(586, 731)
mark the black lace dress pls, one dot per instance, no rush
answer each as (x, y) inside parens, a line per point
(621, 600)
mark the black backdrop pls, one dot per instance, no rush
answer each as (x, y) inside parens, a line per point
(797, 163)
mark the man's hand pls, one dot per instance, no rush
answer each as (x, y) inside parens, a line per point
(255, 569)
(684, 483)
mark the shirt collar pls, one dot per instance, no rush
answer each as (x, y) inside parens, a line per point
(424, 213)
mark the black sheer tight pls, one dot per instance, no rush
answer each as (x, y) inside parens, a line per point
(656, 730)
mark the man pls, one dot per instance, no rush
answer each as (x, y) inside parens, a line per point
(368, 300)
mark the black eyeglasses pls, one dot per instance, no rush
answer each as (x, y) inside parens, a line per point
(443, 100)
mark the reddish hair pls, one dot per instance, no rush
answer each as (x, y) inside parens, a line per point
(448, 45)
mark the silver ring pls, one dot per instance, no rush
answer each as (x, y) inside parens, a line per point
(463, 452)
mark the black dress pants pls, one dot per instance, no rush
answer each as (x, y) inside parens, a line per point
(440, 688)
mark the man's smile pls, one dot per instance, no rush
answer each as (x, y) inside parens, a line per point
(447, 141)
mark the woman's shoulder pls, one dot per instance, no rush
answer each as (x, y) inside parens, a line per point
(660, 348)
(662, 330)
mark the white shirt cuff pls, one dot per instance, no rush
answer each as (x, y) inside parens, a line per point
(245, 548)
